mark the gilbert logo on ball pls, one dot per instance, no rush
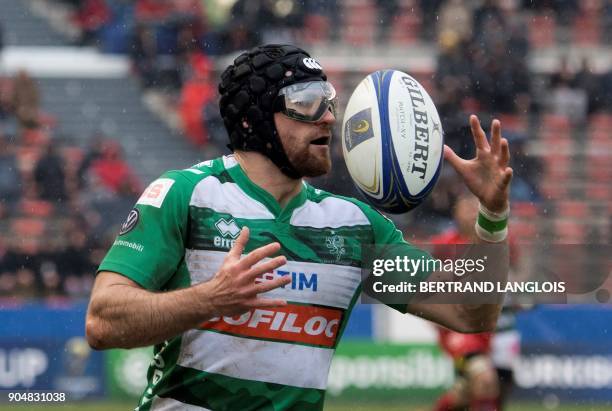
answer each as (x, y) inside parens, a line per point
(392, 141)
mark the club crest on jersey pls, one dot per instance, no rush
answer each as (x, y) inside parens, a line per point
(335, 244)
(229, 231)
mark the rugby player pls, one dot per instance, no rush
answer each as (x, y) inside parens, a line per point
(483, 361)
(241, 274)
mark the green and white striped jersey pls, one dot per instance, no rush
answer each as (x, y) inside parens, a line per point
(266, 359)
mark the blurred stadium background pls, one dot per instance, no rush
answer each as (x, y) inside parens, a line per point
(99, 97)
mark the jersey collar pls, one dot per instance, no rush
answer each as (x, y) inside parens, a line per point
(256, 192)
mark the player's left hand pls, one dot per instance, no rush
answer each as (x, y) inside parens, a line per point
(487, 175)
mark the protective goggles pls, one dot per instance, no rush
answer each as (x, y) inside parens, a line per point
(307, 101)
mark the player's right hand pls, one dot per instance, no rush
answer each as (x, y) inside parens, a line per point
(233, 289)
(487, 175)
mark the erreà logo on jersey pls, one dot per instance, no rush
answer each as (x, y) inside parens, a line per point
(229, 231)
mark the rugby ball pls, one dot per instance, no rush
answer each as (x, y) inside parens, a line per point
(392, 141)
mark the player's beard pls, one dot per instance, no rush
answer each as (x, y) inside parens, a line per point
(309, 160)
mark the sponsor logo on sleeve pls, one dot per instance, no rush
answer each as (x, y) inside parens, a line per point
(130, 222)
(156, 192)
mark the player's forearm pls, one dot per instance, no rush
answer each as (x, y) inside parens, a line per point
(125, 316)
(483, 317)
(468, 317)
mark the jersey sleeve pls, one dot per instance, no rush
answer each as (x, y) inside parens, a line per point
(151, 243)
(389, 244)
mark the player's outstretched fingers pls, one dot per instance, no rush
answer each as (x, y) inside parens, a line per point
(259, 254)
(495, 136)
(270, 285)
(241, 242)
(508, 172)
(265, 303)
(452, 157)
(480, 138)
(504, 156)
(266, 267)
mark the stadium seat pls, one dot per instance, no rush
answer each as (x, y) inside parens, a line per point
(569, 231)
(552, 188)
(316, 29)
(586, 29)
(27, 227)
(557, 166)
(36, 208)
(556, 122)
(598, 191)
(542, 30)
(359, 25)
(34, 137)
(554, 126)
(598, 167)
(599, 133)
(72, 156)
(524, 209)
(573, 209)
(406, 26)
(600, 121)
(523, 231)
(27, 157)
(513, 122)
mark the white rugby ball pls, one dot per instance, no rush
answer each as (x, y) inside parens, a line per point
(392, 141)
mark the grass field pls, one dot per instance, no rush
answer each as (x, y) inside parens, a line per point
(109, 406)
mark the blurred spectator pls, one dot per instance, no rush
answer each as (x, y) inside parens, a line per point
(564, 98)
(143, 51)
(157, 64)
(564, 9)
(606, 90)
(25, 283)
(488, 19)
(563, 77)
(10, 178)
(527, 169)
(26, 100)
(6, 96)
(430, 10)
(327, 15)
(49, 175)
(265, 21)
(90, 17)
(51, 281)
(387, 9)
(93, 153)
(152, 11)
(586, 80)
(456, 17)
(8, 265)
(75, 262)
(8, 283)
(112, 171)
(197, 93)
(217, 134)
